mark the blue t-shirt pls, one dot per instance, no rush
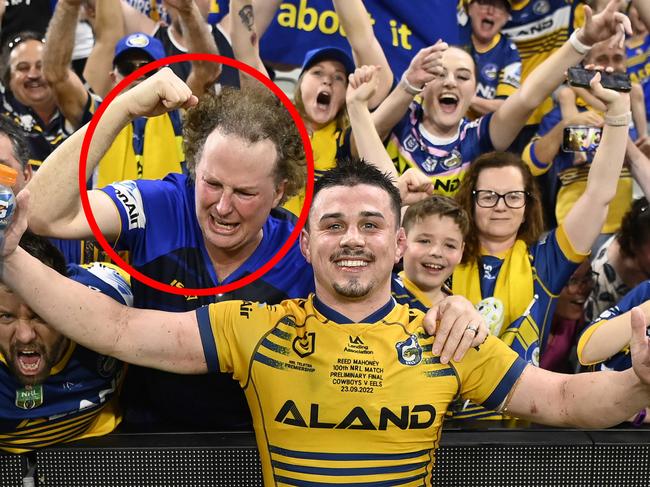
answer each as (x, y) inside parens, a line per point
(164, 239)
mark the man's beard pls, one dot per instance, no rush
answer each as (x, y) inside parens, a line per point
(353, 289)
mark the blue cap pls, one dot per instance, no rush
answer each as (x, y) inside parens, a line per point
(328, 53)
(140, 41)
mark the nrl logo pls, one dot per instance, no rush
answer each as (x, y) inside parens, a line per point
(29, 397)
(409, 352)
(305, 346)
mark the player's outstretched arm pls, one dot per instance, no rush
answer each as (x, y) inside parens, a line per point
(593, 400)
(166, 341)
(55, 210)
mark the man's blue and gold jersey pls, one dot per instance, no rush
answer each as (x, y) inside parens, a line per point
(147, 148)
(621, 360)
(553, 260)
(445, 161)
(538, 28)
(43, 138)
(165, 242)
(78, 399)
(638, 66)
(338, 402)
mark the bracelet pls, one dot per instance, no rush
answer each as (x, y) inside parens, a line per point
(408, 87)
(577, 45)
(639, 418)
(622, 120)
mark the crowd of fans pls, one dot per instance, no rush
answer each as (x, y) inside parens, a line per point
(551, 245)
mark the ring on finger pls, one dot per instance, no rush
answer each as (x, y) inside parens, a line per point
(473, 328)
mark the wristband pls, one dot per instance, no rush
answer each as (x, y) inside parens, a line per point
(622, 120)
(408, 87)
(577, 45)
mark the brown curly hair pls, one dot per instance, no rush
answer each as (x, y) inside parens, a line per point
(635, 228)
(533, 225)
(252, 115)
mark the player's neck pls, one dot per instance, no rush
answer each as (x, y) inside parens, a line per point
(227, 261)
(354, 309)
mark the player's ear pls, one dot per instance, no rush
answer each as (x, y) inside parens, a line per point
(400, 243)
(304, 243)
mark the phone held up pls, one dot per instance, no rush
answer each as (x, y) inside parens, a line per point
(581, 77)
(581, 138)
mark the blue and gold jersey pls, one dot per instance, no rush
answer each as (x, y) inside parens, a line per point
(329, 144)
(407, 292)
(337, 402)
(621, 360)
(538, 28)
(638, 66)
(445, 161)
(518, 311)
(570, 179)
(79, 398)
(147, 148)
(165, 242)
(43, 138)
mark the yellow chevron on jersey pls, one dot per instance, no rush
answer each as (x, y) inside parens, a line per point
(149, 150)
(346, 403)
(325, 144)
(538, 28)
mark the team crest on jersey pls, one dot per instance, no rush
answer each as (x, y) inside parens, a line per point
(29, 397)
(306, 345)
(532, 356)
(27, 122)
(541, 7)
(454, 159)
(410, 143)
(490, 71)
(409, 352)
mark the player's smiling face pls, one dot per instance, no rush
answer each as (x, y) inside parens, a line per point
(448, 96)
(29, 346)
(352, 242)
(322, 88)
(236, 189)
(434, 246)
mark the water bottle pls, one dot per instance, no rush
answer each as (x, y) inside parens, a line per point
(7, 199)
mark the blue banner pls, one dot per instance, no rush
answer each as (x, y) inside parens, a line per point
(402, 27)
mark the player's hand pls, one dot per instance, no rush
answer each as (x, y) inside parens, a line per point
(414, 186)
(609, 23)
(362, 85)
(161, 93)
(457, 327)
(640, 346)
(12, 234)
(426, 65)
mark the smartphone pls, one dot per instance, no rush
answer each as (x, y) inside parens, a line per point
(581, 77)
(581, 138)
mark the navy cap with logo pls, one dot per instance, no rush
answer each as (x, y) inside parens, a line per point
(142, 42)
(328, 53)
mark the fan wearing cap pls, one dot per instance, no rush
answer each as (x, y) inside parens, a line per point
(44, 97)
(498, 64)
(321, 88)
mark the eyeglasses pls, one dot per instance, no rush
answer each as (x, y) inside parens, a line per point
(125, 68)
(576, 283)
(489, 199)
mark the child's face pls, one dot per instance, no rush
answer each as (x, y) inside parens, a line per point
(487, 17)
(434, 248)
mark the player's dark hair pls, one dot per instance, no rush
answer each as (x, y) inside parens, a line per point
(253, 115)
(17, 138)
(635, 228)
(353, 172)
(43, 250)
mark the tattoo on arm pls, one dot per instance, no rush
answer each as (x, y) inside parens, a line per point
(247, 17)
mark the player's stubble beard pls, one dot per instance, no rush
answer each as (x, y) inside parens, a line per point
(353, 288)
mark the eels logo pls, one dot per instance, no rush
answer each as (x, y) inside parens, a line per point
(409, 352)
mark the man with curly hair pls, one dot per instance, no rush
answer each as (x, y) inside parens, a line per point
(210, 227)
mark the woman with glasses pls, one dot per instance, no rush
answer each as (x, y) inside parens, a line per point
(512, 272)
